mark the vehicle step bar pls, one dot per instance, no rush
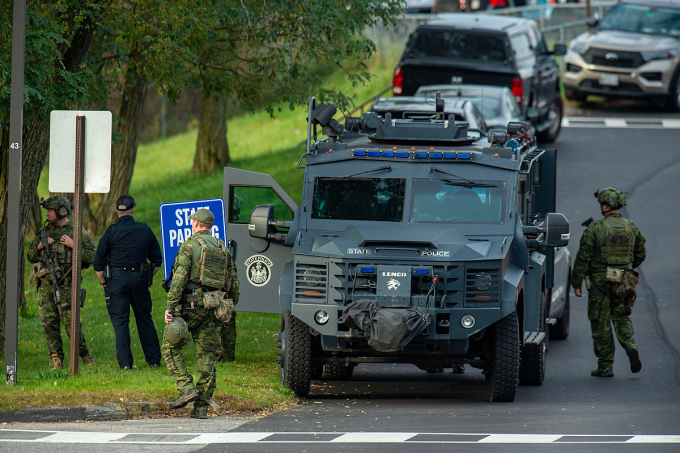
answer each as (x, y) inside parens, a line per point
(533, 337)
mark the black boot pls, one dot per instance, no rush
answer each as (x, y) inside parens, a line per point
(634, 356)
(183, 399)
(602, 372)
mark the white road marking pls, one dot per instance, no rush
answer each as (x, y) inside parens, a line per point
(75, 437)
(629, 123)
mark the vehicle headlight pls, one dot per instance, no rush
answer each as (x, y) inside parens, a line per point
(579, 47)
(658, 55)
(483, 281)
(467, 321)
(321, 317)
(312, 277)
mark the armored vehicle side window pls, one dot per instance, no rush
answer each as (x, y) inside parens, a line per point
(244, 199)
(436, 200)
(459, 45)
(376, 199)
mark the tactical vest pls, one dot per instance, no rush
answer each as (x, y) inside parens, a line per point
(208, 263)
(615, 243)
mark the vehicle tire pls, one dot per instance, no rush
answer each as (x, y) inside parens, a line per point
(503, 370)
(339, 371)
(533, 356)
(560, 331)
(295, 364)
(554, 113)
(573, 94)
(673, 102)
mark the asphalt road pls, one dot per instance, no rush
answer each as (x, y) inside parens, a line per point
(395, 408)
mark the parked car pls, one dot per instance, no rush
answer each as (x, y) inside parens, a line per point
(497, 104)
(633, 52)
(408, 106)
(484, 49)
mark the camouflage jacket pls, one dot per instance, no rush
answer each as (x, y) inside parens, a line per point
(589, 248)
(64, 254)
(182, 273)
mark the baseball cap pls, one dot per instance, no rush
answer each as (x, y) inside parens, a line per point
(203, 216)
(125, 203)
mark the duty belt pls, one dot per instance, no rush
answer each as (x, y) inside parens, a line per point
(192, 299)
(129, 269)
(597, 270)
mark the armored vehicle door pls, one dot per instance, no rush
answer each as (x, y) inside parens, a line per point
(260, 262)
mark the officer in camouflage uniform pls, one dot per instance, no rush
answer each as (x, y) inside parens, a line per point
(610, 248)
(187, 295)
(59, 231)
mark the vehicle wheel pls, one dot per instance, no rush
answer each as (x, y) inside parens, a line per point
(339, 371)
(560, 331)
(295, 364)
(674, 97)
(575, 95)
(555, 115)
(502, 374)
(533, 356)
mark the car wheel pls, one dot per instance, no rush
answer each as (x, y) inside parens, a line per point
(502, 371)
(560, 331)
(295, 364)
(674, 98)
(573, 94)
(555, 116)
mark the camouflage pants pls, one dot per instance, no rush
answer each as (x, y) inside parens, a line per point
(602, 312)
(229, 339)
(205, 331)
(51, 321)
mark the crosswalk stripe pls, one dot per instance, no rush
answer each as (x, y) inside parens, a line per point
(630, 123)
(75, 437)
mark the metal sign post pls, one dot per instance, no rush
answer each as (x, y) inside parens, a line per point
(77, 243)
(14, 194)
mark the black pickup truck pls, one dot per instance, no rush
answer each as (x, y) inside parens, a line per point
(486, 50)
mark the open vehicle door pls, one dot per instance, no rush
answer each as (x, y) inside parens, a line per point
(259, 262)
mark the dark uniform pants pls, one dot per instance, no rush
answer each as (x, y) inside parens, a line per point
(125, 289)
(605, 309)
(205, 331)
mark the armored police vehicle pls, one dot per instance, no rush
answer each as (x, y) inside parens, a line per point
(413, 243)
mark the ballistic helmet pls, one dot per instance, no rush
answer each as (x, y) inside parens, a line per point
(60, 204)
(177, 332)
(612, 196)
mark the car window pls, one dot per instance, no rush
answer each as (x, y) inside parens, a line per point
(643, 19)
(524, 54)
(459, 44)
(511, 104)
(378, 199)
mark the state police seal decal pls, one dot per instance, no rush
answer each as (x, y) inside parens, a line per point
(258, 270)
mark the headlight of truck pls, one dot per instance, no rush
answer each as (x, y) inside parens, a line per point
(658, 55)
(579, 47)
(312, 277)
(483, 282)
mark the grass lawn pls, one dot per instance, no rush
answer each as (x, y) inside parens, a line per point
(257, 143)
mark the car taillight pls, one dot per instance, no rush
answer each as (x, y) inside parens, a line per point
(498, 3)
(397, 82)
(517, 88)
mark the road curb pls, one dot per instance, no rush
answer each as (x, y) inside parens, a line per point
(75, 413)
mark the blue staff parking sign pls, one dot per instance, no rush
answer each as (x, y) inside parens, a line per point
(176, 225)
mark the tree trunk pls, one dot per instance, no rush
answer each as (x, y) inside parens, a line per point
(212, 149)
(124, 154)
(35, 221)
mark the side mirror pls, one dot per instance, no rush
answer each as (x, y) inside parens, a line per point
(559, 49)
(533, 113)
(263, 226)
(556, 230)
(259, 221)
(593, 21)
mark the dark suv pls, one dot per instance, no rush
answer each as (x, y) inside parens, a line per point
(486, 50)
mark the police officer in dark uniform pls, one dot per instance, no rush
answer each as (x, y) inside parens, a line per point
(133, 256)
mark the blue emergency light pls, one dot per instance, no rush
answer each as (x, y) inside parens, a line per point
(367, 270)
(422, 271)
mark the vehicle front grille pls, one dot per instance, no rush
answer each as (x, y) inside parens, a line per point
(311, 282)
(627, 87)
(482, 286)
(615, 59)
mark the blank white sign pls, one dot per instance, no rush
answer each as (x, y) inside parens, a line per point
(98, 130)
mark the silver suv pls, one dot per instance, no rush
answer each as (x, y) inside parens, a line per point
(633, 52)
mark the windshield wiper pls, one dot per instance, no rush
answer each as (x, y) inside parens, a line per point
(467, 183)
(386, 167)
